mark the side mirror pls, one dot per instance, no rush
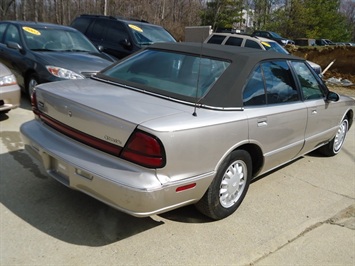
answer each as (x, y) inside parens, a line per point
(332, 97)
(126, 44)
(14, 45)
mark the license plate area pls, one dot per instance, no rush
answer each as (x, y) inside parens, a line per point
(59, 170)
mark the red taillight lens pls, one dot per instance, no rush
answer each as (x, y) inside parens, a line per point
(144, 149)
(34, 103)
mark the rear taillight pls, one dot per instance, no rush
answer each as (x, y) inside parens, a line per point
(34, 103)
(144, 149)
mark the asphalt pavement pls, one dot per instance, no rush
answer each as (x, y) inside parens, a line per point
(300, 214)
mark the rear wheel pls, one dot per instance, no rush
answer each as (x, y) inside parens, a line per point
(334, 146)
(229, 186)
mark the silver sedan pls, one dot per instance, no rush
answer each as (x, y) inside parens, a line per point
(179, 124)
(10, 93)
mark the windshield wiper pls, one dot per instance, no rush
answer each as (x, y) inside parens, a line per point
(42, 50)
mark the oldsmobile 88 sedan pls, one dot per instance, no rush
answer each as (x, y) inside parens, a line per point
(178, 124)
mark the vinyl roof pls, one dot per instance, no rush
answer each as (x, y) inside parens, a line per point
(227, 91)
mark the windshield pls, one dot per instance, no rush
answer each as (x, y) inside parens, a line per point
(146, 34)
(47, 39)
(275, 35)
(170, 74)
(274, 46)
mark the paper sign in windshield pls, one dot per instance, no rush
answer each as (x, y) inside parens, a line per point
(136, 28)
(266, 44)
(31, 30)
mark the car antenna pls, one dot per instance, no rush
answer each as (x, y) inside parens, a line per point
(198, 78)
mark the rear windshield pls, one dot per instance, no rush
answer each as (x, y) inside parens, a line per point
(170, 74)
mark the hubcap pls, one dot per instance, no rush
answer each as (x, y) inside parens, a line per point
(340, 136)
(31, 86)
(233, 184)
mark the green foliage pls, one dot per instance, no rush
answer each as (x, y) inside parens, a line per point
(303, 19)
(222, 13)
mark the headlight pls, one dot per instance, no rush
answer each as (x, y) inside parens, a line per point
(7, 80)
(63, 73)
(284, 41)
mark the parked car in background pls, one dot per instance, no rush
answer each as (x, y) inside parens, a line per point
(252, 42)
(194, 127)
(324, 42)
(41, 52)
(9, 90)
(273, 36)
(120, 37)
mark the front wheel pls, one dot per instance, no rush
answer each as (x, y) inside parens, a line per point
(229, 186)
(334, 146)
(31, 84)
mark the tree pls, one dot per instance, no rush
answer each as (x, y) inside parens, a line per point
(221, 14)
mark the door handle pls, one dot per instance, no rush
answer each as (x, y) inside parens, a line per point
(314, 112)
(262, 122)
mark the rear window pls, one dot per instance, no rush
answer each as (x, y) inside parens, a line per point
(166, 73)
(216, 39)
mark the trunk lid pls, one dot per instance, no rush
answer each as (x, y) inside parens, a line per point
(109, 113)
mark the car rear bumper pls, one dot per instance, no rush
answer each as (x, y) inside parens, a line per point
(120, 184)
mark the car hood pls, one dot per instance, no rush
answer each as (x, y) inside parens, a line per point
(79, 62)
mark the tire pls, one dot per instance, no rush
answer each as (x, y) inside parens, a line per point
(31, 84)
(334, 146)
(229, 186)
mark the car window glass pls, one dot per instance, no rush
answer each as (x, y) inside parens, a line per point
(254, 91)
(252, 44)
(81, 24)
(2, 30)
(169, 73)
(97, 29)
(309, 85)
(235, 41)
(12, 34)
(146, 33)
(280, 85)
(115, 32)
(217, 39)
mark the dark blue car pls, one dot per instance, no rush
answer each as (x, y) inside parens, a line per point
(42, 52)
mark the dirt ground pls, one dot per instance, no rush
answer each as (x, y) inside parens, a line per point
(343, 67)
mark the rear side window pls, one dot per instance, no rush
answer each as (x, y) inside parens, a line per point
(235, 41)
(280, 85)
(115, 32)
(254, 92)
(217, 39)
(252, 44)
(270, 83)
(81, 24)
(97, 29)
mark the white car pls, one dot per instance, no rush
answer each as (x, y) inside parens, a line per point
(9, 90)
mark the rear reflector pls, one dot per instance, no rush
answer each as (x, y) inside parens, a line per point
(189, 186)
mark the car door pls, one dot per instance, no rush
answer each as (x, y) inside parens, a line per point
(321, 123)
(10, 52)
(277, 116)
